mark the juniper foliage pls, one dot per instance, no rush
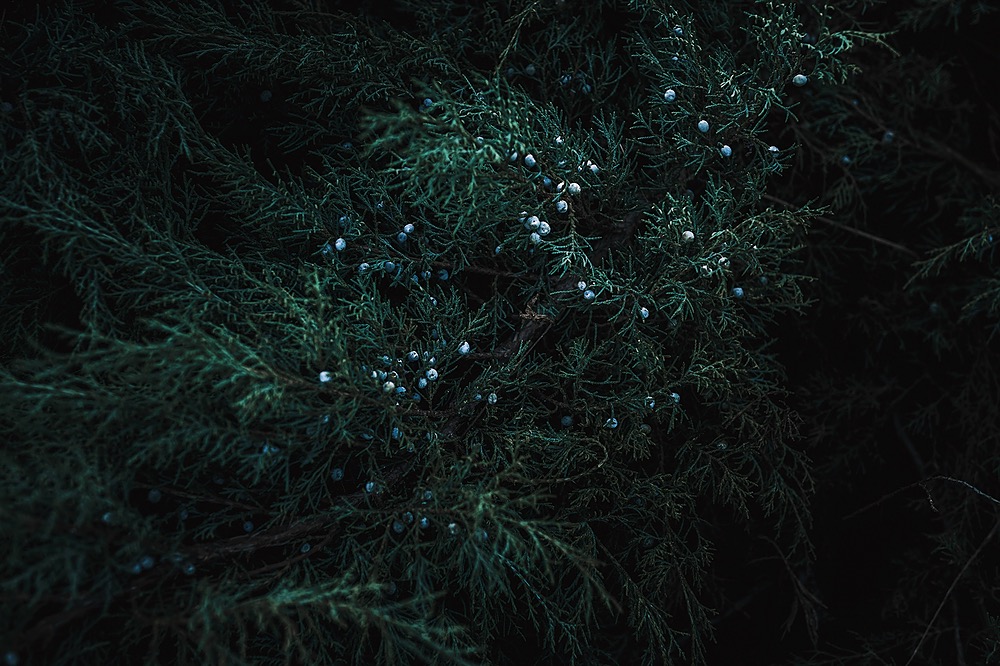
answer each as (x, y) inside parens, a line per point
(404, 336)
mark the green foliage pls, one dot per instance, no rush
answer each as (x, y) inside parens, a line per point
(245, 421)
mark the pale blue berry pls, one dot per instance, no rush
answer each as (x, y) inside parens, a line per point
(442, 274)
(340, 244)
(395, 432)
(370, 487)
(107, 517)
(702, 125)
(675, 397)
(644, 312)
(589, 294)
(325, 376)
(529, 160)
(401, 237)
(389, 267)
(562, 206)
(364, 266)
(573, 188)
(408, 517)
(463, 348)
(544, 228)
(581, 285)
(535, 238)
(737, 292)
(800, 79)
(432, 374)
(408, 228)
(422, 382)
(726, 151)
(670, 95)
(388, 387)
(428, 495)
(611, 423)
(337, 473)
(136, 568)
(412, 356)
(679, 31)
(492, 398)
(650, 402)
(428, 102)
(398, 527)
(425, 523)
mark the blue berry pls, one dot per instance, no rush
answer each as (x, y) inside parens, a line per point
(248, 526)
(408, 517)
(670, 95)
(589, 294)
(737, 292)
(702, 125)
(401, 237)
(425, 523)
(726, 151)
(306, 547)
(370, 487)
(189, 569)
(398, 527)
(644, 313)
(566, 421)
(611, 423)
(800, 79)
(147, 562)
(154, 495)
(408, 228)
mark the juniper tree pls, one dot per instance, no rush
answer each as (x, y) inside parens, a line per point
(340, 336)
(903, 157)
